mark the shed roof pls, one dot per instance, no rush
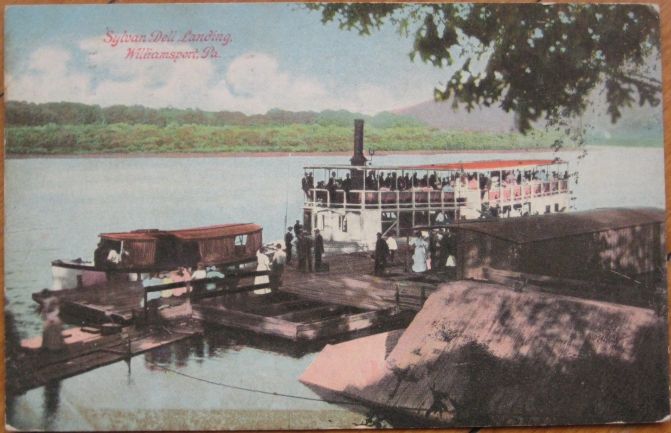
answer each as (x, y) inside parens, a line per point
(469, 166)
(195, 233)
(132, 236)
(494, 164)
(544, 227)
(217, 231)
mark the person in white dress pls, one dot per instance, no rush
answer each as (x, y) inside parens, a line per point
(52, 331)
(393, 247)
(262, 264)
(419, 254)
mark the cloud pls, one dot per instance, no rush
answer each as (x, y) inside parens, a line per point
(254, 82)
(259, 84)
(47, 78)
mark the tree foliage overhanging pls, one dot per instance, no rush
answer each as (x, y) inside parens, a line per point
(538, 61)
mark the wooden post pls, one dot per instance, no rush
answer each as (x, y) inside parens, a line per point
(407, 250)
(146, 307)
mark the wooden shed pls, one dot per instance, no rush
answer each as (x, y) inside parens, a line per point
(227, 243)
(589, 245)
(139, 247)
(153, 249)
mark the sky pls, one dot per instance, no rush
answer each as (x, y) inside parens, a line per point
(278, 56)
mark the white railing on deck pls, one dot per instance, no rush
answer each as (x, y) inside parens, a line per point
(430, 199)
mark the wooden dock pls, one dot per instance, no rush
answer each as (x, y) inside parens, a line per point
(86, 351)
(307, 307)
(111, 302)
(289, 316)
(315, 305)
(350, 281)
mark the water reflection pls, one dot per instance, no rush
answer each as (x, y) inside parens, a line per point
(217, 342)
(52, 391)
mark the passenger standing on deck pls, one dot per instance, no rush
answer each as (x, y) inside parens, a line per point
(443, 250)
(451, 262)
(393, 247)
(381, 252)
(308, 251)
(288, 238)
(304, 184)
(433, 249)
(100, 255)
(347, 184)
(262, 264)
(419, 255)
(297, 227)
(319, 250)
(199, 274)
(52, 331)
(181, 275)
(277, 267)
(300, 250)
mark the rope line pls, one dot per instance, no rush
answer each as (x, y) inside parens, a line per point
(242, 388)
(272, 393)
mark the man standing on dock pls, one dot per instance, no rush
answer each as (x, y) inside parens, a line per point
(277, 267)
(307, 248)
(300, 250)
(381, 252)
(319, 250)
(288, 238)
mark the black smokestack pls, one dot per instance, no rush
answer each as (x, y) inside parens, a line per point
(357, 156)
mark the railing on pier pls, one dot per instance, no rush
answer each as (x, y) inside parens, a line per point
(429, 198)
(209, 287)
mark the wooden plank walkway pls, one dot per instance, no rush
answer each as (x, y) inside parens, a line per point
(288, 316)
(86, 351)
(115, 301)
(350, 281)
(308, 306)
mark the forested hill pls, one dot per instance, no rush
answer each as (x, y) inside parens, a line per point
(71, 113)
(66, 128)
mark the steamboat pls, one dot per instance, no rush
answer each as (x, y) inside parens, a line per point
(350, 204)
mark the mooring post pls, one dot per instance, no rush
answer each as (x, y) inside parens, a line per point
(146, 307)
(407, 252)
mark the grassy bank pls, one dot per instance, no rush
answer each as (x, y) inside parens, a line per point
(55, 139)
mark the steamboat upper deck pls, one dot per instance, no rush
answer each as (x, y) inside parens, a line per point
(352, 203)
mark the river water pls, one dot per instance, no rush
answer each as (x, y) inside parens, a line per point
(55, 208)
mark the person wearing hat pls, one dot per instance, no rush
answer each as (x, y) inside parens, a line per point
(319, 250)
(277, 267)
(381, 252)
(262, 265)
(288, 238)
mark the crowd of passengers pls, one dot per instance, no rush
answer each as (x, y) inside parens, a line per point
(448, 183)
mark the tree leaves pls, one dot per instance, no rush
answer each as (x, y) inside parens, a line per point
(540, 61)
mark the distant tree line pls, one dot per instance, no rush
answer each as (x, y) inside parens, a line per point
(71, 113)
(67, 128)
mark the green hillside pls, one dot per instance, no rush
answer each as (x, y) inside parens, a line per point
(70, 128)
